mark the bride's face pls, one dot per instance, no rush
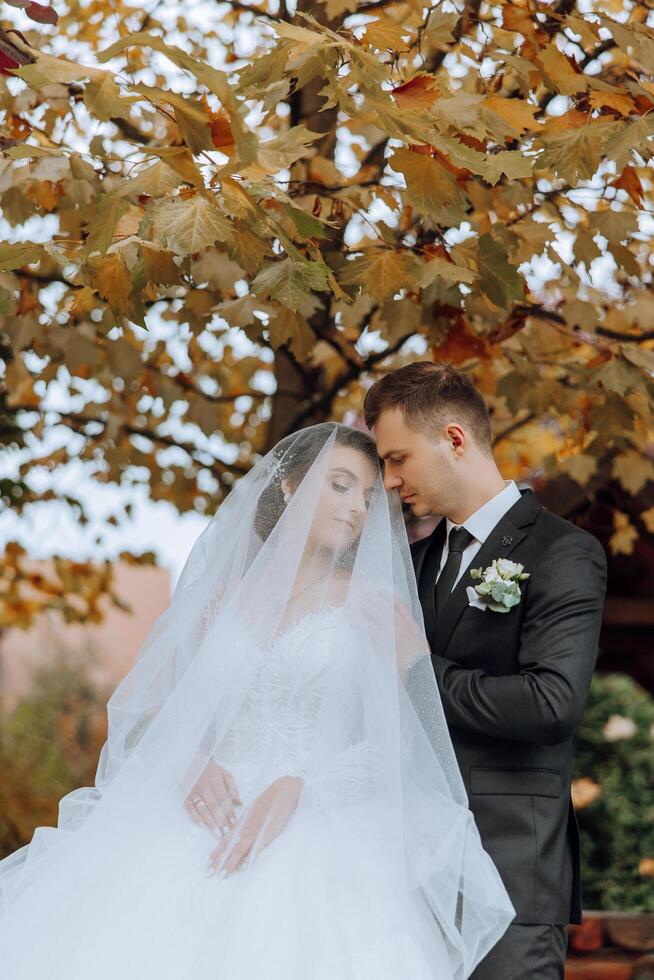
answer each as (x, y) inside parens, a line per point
(344, 500)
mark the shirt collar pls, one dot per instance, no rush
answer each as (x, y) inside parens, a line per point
(481, 523)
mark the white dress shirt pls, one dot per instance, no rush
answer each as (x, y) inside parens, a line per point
(481, 523)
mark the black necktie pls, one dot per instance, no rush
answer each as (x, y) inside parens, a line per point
(458, 540)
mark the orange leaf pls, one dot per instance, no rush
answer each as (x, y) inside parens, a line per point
(462, 343)
(45, 194)
(629, 181)
(620, 102)
(418, 93)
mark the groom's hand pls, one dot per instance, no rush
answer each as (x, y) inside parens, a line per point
(212, 799)
(263, 820)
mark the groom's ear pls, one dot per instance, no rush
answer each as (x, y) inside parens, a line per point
(456, 437)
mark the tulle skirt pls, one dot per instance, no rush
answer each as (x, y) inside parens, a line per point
(321, 902)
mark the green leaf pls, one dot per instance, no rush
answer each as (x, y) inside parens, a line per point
(13, 255)
(500, 280)
(306, 224)
(290, 281)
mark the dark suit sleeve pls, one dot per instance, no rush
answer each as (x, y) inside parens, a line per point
(543, 703)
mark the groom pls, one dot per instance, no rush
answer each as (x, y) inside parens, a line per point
(513, 684)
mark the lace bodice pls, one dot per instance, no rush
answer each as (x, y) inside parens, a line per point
(307, 668)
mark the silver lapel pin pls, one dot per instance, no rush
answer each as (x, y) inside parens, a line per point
(507, 540)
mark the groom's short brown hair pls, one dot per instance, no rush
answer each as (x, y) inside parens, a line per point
(427, 393)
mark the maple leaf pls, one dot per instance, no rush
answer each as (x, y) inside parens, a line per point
(499, 279)
(188, 225)
(112, 280)
(629, 181)
(575, 154)
(381, 272)
(624, 534)
(431, 189)
(291, 329)
(290, 281)
(14, 255)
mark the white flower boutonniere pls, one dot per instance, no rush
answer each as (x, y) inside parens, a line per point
(499, 584)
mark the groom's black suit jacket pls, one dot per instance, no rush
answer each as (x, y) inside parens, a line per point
(513, 687)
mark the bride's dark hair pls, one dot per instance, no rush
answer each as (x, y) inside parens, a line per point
(296, 454)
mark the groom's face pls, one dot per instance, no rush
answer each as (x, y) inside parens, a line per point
(416, 464)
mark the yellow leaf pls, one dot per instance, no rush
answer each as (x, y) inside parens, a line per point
(180, 159)
(580, 467)
(84, 300)
(560, 73)
(112, 281)
(648, 519)
(385, 35)
(624, 535)
(103, 99)
(290, 328)
(337, 8)
(633, 470)
(516, 114)
(619, 101)
(382, 272)
(188, 225)
(431, 189)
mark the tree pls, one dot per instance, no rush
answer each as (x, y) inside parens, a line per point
(372, 182)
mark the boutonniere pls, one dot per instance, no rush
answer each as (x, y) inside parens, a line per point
(499, 585)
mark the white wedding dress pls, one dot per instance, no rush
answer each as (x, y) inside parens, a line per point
(319, 902)
(379, 874)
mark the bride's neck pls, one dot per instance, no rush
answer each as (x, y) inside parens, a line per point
(313, 566)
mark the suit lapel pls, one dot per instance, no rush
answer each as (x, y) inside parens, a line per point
(503, 539)
(420, 548)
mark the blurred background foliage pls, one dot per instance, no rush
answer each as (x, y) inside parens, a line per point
(49, 745)
(613, 792)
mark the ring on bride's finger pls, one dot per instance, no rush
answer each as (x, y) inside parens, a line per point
(198, 800)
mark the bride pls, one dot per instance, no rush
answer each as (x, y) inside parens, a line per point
(278, 796)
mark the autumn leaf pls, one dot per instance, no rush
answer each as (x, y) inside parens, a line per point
(418, 93)
(381, 272)
(290, 282)
(186, 226)
(624, 534)
(510, 118)
(499, 279)
(113, 281)
(430, 188)
(633, 470)
(289, 328)
(629, 181)
(16, 254)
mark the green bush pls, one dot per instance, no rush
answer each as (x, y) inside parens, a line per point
(49, 745)
(614, 760)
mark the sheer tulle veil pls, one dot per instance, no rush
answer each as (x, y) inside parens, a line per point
(376, 734)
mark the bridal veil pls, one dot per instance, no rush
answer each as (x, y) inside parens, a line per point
(372, 729)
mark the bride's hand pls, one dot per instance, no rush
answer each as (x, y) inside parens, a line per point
(212, 800)
(263, 820)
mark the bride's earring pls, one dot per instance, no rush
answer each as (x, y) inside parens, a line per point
(287, 497)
